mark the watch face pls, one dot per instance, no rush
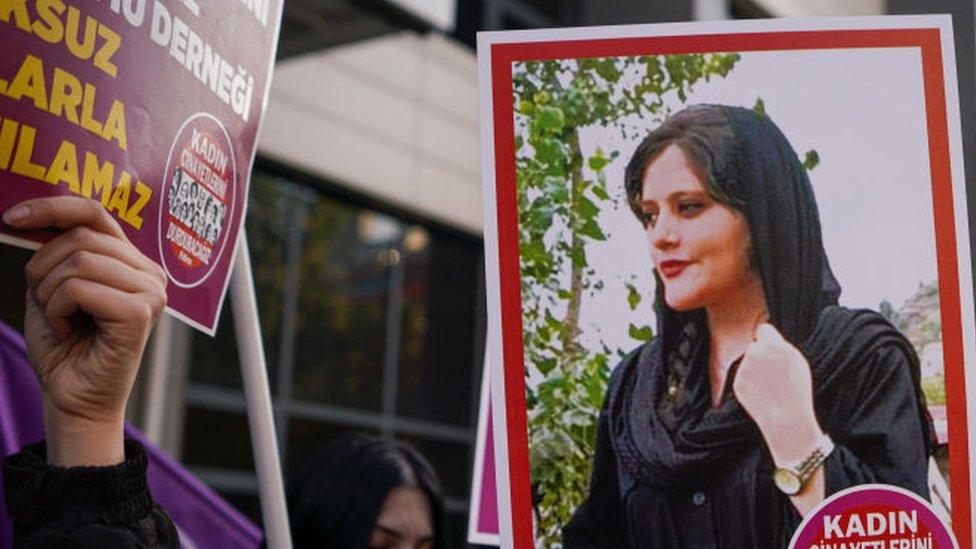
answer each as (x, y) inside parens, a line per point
(787, 481)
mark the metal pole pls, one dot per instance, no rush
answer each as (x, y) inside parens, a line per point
(391, 354)
(257, 395)
(158, 382)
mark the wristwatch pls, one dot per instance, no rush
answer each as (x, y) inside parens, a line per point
(790, 479)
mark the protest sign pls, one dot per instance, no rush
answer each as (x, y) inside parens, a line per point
(672, 213)
(152, 108)
(483, 510)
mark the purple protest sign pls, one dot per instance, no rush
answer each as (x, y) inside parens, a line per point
(483, 513)
(151, 107)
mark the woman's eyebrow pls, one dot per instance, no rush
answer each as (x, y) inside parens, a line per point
(675, 195)
(390, 531)
(685, 193)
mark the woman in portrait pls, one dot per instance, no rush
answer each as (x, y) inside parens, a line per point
(759, 395)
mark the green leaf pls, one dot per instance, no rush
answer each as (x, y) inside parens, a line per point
(592, 230)
(549, 151)
(633, 296)
(600, 192)
(553, 322)
(556, 188)
(539, 217)
(533, 250)
(578, 256)
(760, 107)
(550, 118)
(595, 388)
(552, 384)
(586, 209)
(810, 160)
(598, 160)
(607, 69)
(546, 365)
(644, 333)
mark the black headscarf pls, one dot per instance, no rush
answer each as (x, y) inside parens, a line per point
(762, 175)
(675, 437)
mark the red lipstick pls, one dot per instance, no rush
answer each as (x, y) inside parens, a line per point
(671, 268)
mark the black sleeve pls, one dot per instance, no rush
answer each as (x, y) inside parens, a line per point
(883, 439)
(600, 520)
(84, 507)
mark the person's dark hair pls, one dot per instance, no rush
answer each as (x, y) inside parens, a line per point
(335, 499)
(704, 134)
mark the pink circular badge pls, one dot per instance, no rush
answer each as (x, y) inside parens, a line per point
(873, 516)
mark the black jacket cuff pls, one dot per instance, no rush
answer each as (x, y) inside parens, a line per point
(38, 493)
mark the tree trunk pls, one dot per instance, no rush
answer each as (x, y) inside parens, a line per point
(571, 321)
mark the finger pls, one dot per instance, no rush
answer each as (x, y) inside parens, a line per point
(102, 269)
(103, 303)
(62, 212)
(84, 238)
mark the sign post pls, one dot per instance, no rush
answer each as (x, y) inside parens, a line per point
(257, 394)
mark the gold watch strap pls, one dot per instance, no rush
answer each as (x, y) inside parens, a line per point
(805, 469)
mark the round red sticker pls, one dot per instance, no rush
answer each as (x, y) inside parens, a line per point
(873, 516)
(199, 193)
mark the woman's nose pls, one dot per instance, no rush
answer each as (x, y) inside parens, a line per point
(664, 233)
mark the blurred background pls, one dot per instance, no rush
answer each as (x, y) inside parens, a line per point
(365, 223)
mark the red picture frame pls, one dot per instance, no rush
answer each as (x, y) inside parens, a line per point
(929, 42)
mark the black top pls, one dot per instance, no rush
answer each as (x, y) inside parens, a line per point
(84, 507)
(672, 472)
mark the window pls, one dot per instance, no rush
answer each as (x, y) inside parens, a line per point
(371, 323)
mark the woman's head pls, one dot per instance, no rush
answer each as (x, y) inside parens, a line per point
(366, 492)
(727, 204)
(700, 245)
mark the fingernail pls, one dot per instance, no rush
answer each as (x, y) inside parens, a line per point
(16, 214)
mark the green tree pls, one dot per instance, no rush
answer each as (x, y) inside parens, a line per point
(561, 193)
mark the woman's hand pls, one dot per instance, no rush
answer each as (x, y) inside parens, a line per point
(92, 300)
(774, 386)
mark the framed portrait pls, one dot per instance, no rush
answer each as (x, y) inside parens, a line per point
(728, 275)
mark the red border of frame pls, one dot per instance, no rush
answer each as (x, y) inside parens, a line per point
(926, 39)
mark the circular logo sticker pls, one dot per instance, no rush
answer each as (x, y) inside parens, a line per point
(200, 189)
(873, 516)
